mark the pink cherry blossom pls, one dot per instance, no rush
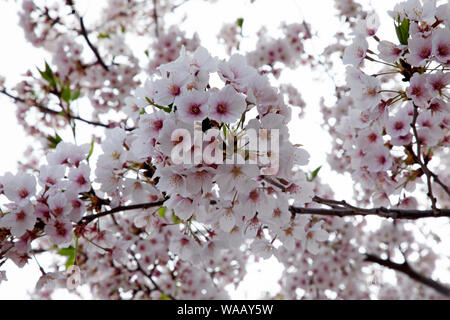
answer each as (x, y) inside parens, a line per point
(356, 52)
(441, 45)
(418, 90)
(420, 50)
(192, 105)
(226, 105)
(19, 220)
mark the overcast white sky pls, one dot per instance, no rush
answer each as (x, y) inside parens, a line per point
(17, 56)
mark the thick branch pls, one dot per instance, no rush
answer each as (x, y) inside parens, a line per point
(406, 269)
(336, 212)
(380, 212)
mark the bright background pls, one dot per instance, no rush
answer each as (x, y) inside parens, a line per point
(17, 56)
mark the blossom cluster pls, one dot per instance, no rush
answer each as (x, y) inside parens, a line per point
(381, 122)
(173, 200)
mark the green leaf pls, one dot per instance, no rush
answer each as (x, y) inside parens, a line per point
(163, 297)
(402, 31)
(90, 151)
(162, 212)
(66, 94)
(175, 218)
(146, 53)
(103, 35)
(313, 174)
(76, 95)
(53, 141)
(48, 75)
(240, 22)
(70, 253)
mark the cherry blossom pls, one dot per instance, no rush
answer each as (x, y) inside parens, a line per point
(168, 197)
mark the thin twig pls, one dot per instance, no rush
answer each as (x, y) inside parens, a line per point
(155, 18)
(146, 205)
(418, 158)
(84, 33)
(150, 277)
(69, 116)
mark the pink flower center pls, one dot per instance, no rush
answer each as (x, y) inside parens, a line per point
(416, 91)
(81, 180)
(443, 50)
(276, 213)
(175, 90)
(372, 137)
(20, 216)
(23, 193)
(254, 195)
(58, 211)
(184, 242)
(398, 125)
(221, 108)
(425, 53)
(157, 124)
(382, 160)
(195, 109)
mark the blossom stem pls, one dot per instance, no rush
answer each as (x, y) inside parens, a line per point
(382, 62)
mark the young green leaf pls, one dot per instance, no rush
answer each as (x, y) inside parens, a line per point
(53, 141)
(70, 253)
(48, 75)
(162, 212)
(315, 172)
(66, 94)
(75, 95)
(240, 22)
(91, 150)
(402, 31)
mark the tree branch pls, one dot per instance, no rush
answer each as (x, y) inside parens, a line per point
(406, 269)
(84, 33)
(417, 158)
(155, 17)
(150, 277)
(343, 209)
(146, 205)
(69, 116)
(380, 212)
